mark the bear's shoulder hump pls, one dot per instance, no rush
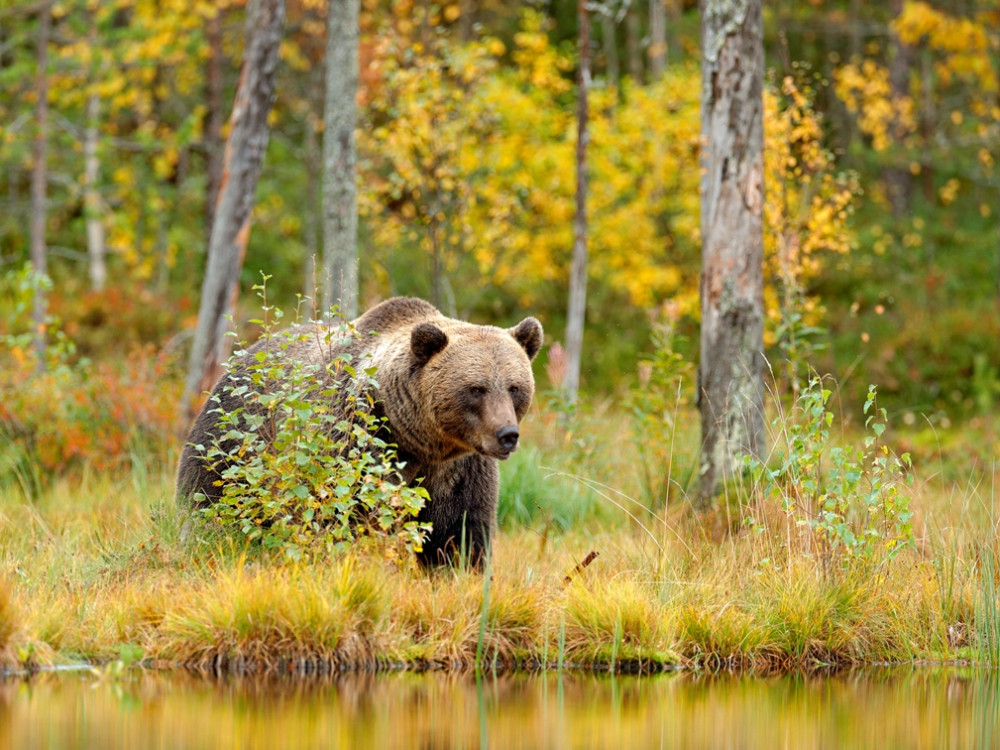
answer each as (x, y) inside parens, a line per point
(394, 313)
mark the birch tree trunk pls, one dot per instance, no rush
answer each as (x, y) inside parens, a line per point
(576, 315)
(39, 177)
(92, 196)
(245, 147)
(340, 203)
(730, 384)
(312, 213)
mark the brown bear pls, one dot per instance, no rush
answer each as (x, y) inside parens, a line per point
(451, 393)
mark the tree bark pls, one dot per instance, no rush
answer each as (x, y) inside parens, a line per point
(245, 147)
(611, 61)
(633, 44)
(576, 315)
(92, 196)
(340, 209)
(898, 180)
(312, 211)
(657, 39)
(39, 177)
(214, 119)
(730, 384)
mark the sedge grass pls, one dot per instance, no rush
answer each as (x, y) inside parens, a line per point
(95, 566)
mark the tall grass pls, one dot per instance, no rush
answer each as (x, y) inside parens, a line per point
(9, 620)
(988, 604)
(96, 567)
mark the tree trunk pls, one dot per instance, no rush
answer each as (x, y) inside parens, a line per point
(39, 177)
(633, 44)
(467, 21)
(898, 180)
(92, 196)
(213, 119)
(730, 384)
(613, 65)
(657, 39)
(313, 215)
(340, 209)
(245, 147)
(91, 176)
(578, 273)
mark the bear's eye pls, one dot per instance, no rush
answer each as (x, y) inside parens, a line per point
(514, 390)
(477, 391)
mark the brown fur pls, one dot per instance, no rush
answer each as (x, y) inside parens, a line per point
(453, 394)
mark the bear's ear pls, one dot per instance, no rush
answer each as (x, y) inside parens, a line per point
(528, 333)
(426, 340)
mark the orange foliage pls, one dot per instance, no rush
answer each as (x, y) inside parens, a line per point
(78, 415)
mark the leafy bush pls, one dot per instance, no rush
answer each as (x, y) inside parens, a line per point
(74, 413)
(854, 509)
(304, 463)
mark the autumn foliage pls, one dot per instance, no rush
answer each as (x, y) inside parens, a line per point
(466, 179)
(90, 415)
(87, 413)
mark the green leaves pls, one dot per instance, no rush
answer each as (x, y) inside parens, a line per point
(302, 469)
(855, 509)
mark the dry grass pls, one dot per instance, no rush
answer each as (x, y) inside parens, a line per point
(96, 566)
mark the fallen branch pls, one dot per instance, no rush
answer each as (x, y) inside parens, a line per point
(579, 568)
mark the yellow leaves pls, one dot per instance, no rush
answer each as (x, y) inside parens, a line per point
(949, 191)
(955, 88)
(476, 163)
(963, 43)
(496, 47)
(865, 91)
(124, 177)
(291, 53)
(807, 203)
(986, 158)
(539, 64)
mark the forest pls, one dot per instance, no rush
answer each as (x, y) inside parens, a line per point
(881, 271)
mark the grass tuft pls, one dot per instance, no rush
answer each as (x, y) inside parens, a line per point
(99, 569)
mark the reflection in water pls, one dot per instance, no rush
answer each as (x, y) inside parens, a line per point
(923, 708)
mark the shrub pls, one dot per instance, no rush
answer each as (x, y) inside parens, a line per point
(303, 460)
(74, 412)
(854, 509)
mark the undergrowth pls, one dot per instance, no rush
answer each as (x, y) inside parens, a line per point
(827, 554)
(300, 451)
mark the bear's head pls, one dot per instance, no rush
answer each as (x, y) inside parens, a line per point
(477, 382)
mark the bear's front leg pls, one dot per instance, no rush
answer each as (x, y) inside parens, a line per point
(462, 511)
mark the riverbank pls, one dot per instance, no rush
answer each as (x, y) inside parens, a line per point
(95, 570)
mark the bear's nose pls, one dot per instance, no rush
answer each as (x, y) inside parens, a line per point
(507, 437)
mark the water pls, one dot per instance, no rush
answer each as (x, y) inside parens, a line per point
(919, 708)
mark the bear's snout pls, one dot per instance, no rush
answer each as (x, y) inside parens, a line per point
(507, 437)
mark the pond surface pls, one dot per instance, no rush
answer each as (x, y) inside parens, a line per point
(918, 708)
